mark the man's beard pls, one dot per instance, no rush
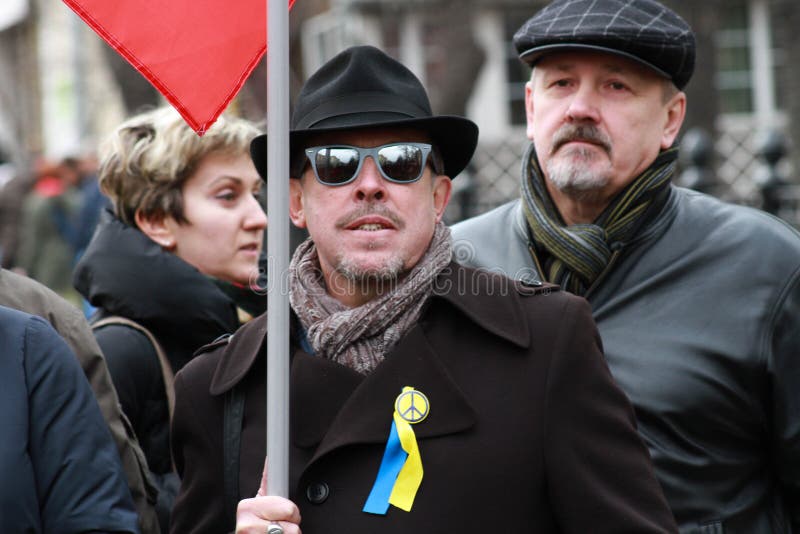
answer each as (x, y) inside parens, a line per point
(571, 171)
(355, 278)
(353, 272)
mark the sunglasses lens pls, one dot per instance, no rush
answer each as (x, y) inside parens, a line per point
(401, 163)
(336, 165)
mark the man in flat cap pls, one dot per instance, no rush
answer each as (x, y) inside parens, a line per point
(697, 301)
(424, 397)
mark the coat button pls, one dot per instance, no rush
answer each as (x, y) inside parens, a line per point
(530, 281)
(317, 492)
(528, 284)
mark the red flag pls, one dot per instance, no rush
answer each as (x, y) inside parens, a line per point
(197, 53)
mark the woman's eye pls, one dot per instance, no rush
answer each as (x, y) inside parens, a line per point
(226, 195)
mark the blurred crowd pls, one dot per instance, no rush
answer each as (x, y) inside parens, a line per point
(47, 216)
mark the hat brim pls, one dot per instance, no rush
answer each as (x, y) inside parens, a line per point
(535, 54)
(455, 137)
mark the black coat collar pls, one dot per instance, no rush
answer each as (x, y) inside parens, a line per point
(123, 272)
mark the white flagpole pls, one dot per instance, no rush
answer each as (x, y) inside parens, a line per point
(278, 247)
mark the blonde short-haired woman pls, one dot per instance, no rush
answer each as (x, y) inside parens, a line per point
(178, 254)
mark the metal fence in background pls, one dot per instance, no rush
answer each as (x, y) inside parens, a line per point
(737, 168)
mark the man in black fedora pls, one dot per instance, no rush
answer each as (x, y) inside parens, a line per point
(697, 301)
(425, 397)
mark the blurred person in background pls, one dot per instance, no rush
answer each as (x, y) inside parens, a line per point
(77, 226)
(45, 252)
(92, 204)
(177, 255)
(15, 183)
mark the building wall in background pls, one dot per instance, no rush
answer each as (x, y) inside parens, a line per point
(81, 102)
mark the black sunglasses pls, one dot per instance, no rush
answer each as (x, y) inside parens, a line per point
(401, 163)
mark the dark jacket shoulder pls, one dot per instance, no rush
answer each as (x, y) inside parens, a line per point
(204, 362)
(225, 360)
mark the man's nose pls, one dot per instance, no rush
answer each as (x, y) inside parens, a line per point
(584, 105)
(369, 184)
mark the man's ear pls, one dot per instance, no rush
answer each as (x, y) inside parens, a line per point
(297, 212)
(442, 189)
(529, 108)
(157, 228)
(676, 111)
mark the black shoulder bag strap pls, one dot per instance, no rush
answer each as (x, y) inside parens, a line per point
(233, 415)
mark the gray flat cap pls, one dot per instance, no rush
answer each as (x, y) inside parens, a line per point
(643, 30)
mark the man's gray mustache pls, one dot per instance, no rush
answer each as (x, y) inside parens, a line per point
(580, 132)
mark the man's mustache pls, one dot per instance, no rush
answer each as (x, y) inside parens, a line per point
(370, 209)
(580, 132)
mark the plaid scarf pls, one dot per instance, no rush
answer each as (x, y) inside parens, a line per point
(361, 337)
(578, 254)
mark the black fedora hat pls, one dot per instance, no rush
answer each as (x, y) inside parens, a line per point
(362, 87)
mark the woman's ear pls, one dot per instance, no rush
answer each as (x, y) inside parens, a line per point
(157, 228)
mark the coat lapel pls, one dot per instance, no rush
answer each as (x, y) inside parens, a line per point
(366, 404)
(333, 406)
(240, 353)
(489, 300)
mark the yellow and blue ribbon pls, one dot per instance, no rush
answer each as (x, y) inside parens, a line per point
(400, 473)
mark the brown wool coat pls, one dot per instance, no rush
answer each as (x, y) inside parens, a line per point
(527, 431)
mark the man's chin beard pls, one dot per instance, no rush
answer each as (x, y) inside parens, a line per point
(357, 274)
(573, 176)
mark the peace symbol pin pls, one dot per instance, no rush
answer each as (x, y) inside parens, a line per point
(412, 405)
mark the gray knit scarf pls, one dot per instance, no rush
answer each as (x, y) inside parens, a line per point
(361, 337)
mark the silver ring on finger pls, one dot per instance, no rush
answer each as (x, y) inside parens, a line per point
(274, 528)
